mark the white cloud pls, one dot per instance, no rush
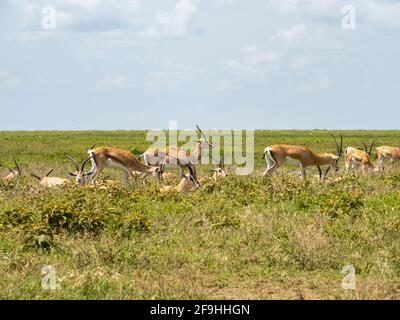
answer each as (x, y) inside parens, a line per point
(252, 55)
(238, 68)
(252, 59)
(80, 15)
(172, 76)
(28, 36)
(383, 14)
(173, 24)
(8, 80)
(117, 81)
(313, 6)
(290, 35)
(220, 3)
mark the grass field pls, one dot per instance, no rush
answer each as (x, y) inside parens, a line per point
(244, 238)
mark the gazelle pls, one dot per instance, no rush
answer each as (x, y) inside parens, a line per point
(109, 157)
(51, 182)
(218, 173)
(187, 184)
(387, 152)
(279, 154)
(14, 172)
(106, 183)
(356, 157)
(166, 176)
(175, 156)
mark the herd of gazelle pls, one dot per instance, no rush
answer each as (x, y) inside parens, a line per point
(156, 159)
(277, 155)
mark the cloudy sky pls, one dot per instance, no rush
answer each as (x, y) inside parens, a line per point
(137, 64)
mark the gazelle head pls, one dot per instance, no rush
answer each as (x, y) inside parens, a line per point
(220, 171)
(333, 158)
(41, 178)
(79, 174)
(204, 143)
(14, 172)
(187, 184)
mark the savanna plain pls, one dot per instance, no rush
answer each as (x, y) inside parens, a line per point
(246, 237)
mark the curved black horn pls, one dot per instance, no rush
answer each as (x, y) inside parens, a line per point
(370, 149)
(201, 132)
(365, 146)
(50, 172)
(339, 149)
(91, 148)
(36, 176)
(75, 162)
(84, 163)
(17, 166)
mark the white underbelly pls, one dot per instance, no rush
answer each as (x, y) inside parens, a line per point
(292, 161)
(115, 165)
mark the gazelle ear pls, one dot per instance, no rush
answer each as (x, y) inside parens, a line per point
(72, 174)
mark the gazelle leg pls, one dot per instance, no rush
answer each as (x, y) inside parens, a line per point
(126, 176)
(303, 172)
(380, 163)
(364, 169)
(193, 174)
(161, 172)
(271, 165)
(348, 164)
(95, 175)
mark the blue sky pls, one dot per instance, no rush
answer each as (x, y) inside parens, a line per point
(260, 64)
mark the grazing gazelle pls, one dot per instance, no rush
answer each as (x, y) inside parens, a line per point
(14, 173)
(279, 154)
(51, 182)
(175, 156)
(387, 152)
(355, 157)
(109, 157)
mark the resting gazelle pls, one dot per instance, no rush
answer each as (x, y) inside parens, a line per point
(187, 184)
(51, 182)
(14, 173)
(279, 154)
